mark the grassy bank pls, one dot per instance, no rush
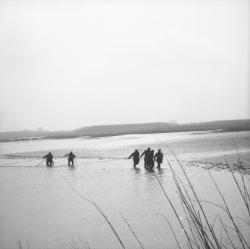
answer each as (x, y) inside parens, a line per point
(124, 129)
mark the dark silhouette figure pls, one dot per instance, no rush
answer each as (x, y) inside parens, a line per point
(151, 160)
(49, 159)
(158, 158)
(71, 156)
(146, 155)
(136, 157)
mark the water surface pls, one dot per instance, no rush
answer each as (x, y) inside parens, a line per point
(40, 209)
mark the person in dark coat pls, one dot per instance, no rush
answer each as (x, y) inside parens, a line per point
(146, 154)
(151, 160)
(158, 158)
(136, 157)
(49, 159)
(71, 157)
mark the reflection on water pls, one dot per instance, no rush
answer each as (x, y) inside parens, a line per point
(40, 209)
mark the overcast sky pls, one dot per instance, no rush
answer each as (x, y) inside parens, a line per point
(64, 64)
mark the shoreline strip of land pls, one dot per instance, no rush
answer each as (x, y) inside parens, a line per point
(126, 129)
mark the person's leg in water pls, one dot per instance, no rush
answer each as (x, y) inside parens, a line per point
(148, 165)
(136, 161)
(47, 162)
(151, 164)
(135, 164)
(51, 162)
(158, 164)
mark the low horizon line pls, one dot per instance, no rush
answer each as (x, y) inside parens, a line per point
(115, 124)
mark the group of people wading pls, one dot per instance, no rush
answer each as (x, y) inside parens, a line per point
(49, 159)
(149, 158)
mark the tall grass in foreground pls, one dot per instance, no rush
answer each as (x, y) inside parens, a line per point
(199, 231)
(101, 212)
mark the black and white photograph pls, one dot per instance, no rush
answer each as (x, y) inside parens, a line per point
(124, 124)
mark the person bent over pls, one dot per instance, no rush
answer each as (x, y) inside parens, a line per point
(49, 159)
(71, 157)
(136, 157)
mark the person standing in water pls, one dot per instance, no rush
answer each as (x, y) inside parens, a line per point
(158, 158)
(151, 160)
(49, 159)
(71, 157)
(136, 157)
(146, 155)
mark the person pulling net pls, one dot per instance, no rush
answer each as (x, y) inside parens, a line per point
(71, 157)
(49, 159)
(158, 158)
(136, 157)
(146, 157)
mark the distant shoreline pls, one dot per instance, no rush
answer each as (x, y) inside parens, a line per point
(68, 137)
(128, 129)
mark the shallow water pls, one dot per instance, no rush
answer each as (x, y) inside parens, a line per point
(41, 210)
